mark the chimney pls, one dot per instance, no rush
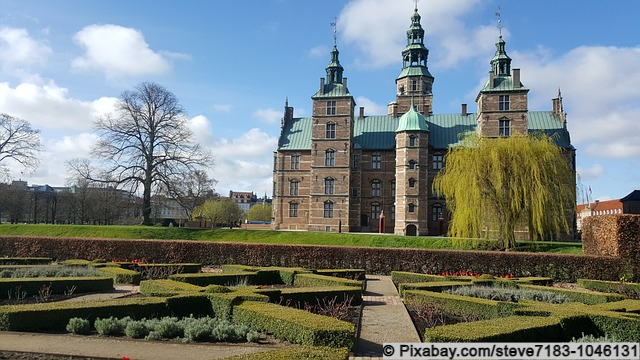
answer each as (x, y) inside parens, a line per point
(322, 84)
(554, 106)
(361, 111)
(464, 110)
(516, 78)
(392, 109)
(491, 79)
(344, 81)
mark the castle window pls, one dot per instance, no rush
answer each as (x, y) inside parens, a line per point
(412, 182)
(356, 161)
(331, 107)
(293, 188)
(328, 209)
(375, 211)
(376, 188)
(331, 131)
(414, 85)
(293, 210)
(438, 161)
(330, 158)
(412, 164)
(504, 128)
(376, 161)
(412, 208)
(503, 102)
(436, 212)
(295, 162)
(412, 141)
(393, 212)
(393, 188)
(329, 186)
(354, 191)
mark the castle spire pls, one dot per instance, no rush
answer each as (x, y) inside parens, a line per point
(334, 69)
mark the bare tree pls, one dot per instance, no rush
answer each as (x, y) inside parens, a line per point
(19, 142)
(192, 190)
(145, 144)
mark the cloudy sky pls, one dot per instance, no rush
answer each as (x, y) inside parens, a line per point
(232, 64)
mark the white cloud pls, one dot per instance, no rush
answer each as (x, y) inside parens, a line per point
(376, 29)
(318, 51)
(117, 51)
(600, 94)
(268, 116)
(590, 173)
(18, 50)
(49, 106)
(370, 107)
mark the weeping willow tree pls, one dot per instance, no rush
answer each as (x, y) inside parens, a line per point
(491, 183)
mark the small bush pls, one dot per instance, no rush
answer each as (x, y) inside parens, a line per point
(136, 329)
(253, 336)
(169, 328)
(79, 326)
(109, 326)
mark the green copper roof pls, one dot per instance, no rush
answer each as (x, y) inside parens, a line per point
(412, 121)
(502, 83)
(332, 90)
(445, 130)
(414, 71)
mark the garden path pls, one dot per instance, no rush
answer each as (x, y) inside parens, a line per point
(384, 319)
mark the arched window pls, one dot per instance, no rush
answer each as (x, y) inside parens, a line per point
(436, 212)
(412, 207)
(329, 185)
(293, 187)
(328, 209)
(293, 209)
(375, 211)
(376, 188)
(330, 157)
(412, 182)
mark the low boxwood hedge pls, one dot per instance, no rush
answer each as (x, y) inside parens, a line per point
(32, 286)
(296, 326)
(507, 329)
(462, 305)
(353, 274)
(585, 297)
(435, 286)
(628, 305)
(55, 316)
(535, 280)
(223, 303)
(186, 305)
(165, 287)
(226, 279)
(184, 268)
(312, 295)
(77, 262)
(314, 280)
(625, 288)
(25, 260)
(297, 353)
(121, 276)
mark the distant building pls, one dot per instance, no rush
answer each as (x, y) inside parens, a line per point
(631, 203)
(597, 208)
(242, 198)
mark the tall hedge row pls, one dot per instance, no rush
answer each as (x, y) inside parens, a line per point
(372, 260)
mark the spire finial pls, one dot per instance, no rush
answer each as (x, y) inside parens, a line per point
(499, 15)
(335, 30)
(416, 8)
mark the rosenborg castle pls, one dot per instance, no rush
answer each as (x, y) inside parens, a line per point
(343, 171)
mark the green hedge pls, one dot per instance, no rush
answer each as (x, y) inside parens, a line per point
(297, 353)
(624, 288)
(462, 305)
(25, 260)
(185, 268)
(312, 295)
(296, 326)
(585, 297)
(628, 305)
(622, 326)
(535, 280)
(223, 303)
(165, 287)
(55, 316)
(186, 305)
(435, 286)
(121, 276)
(507, 329)
(226, 279)
(314, 280)
(32, 286)
(77, 262)
(353, 274)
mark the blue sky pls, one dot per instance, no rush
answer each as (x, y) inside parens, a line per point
(232, 64)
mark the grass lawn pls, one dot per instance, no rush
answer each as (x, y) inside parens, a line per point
(268, 236)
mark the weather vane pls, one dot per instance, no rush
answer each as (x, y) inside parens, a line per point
(498, 14)
(416, 1)
(335, 30)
